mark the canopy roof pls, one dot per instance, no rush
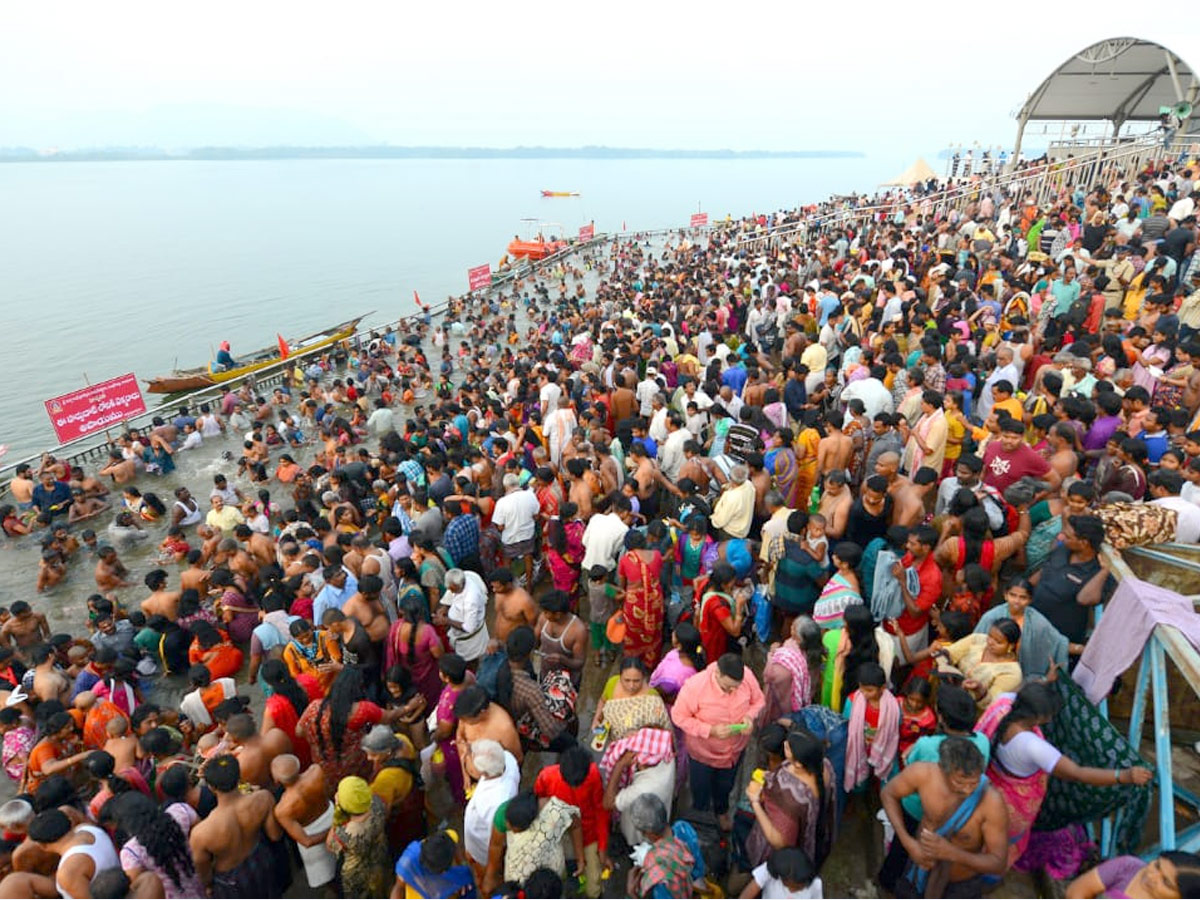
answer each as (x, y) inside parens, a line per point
(1119, 80)
(918, 171)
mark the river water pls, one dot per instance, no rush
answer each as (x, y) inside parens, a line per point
(108, 268)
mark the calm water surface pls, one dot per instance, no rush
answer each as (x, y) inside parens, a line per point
(107, 268)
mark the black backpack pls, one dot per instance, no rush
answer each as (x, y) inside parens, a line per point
(1078, 312)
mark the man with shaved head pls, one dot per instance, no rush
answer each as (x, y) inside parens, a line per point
(305, 813)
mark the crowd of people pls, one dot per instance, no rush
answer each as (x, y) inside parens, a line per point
(819, 534)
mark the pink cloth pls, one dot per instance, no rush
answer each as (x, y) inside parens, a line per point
(652, 746)
(701, 704)
(1135, 609)
(788, 657)
(859, 761)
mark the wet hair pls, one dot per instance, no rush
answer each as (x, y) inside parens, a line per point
(958, 756)
(346, 690)
(542, 882)
(1008, 629)
(471, 702)
(223, 773)
(49, 826)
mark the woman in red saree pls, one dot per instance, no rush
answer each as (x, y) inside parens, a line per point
(287, 701)
(335, 726)
(639, 573)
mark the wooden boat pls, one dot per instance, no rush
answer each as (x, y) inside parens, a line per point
(205, 376)
(560, 193)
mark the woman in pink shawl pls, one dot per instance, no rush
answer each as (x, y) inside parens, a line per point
(874, 733)
(792, 669)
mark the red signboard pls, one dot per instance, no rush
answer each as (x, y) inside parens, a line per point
(587, 232)
(699, 220)
(94, 408)
(479, 277)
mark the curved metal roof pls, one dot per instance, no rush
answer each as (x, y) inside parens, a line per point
(1120, 79)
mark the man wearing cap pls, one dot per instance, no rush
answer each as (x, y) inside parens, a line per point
(646, 390)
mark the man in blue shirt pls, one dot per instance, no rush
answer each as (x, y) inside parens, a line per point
(339, 587)
(51, 496)
(1065, 291)
(461, 537)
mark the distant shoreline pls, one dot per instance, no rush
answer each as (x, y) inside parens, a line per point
(210, 154)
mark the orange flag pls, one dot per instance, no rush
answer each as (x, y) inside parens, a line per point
(417, 298)
(283, 346)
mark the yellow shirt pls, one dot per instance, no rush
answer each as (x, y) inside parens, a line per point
(735, 510)
(226, 519)
(1013, 406)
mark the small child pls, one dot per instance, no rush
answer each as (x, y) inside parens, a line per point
(630, 489)
(90, 543)
(602, 604)
(874, 732)
(815, 543)
(174, 546)
(787, 873)
(973, 592)
(917, 717)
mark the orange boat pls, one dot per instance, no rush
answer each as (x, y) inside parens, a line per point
(535, 249)
(560, 193)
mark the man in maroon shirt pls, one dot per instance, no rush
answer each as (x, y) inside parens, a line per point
(914, 621)
(1009, 459)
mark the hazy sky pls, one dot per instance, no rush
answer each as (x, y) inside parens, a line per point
(692, 75)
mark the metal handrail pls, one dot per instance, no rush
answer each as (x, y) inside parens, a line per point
(93, 445)
(1053, 175)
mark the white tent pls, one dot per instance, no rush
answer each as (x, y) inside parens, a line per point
(917, 172)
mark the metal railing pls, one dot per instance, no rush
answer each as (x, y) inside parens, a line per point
(1042, 181)
(96, 446)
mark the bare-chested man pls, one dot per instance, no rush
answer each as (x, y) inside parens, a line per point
(305, 813)
(25, 629)
(836, 501)
(21, 487)
(52, 569)
(110, 571)
(257, 545)
(49, 683)
(231, 554)
(228, 846)
(699, 467)
(211, 539)
(514, 606)
(914, 498)
(949, 788)
(836, 448)
(121, 744)
(195, 577)
(255, 752)
(366, 606)
(888, 465)
(161, 602)
(583, 486)
(352, 559)
(479, 718)
(119, 469)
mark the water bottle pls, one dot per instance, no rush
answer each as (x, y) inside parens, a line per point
(814, 499)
